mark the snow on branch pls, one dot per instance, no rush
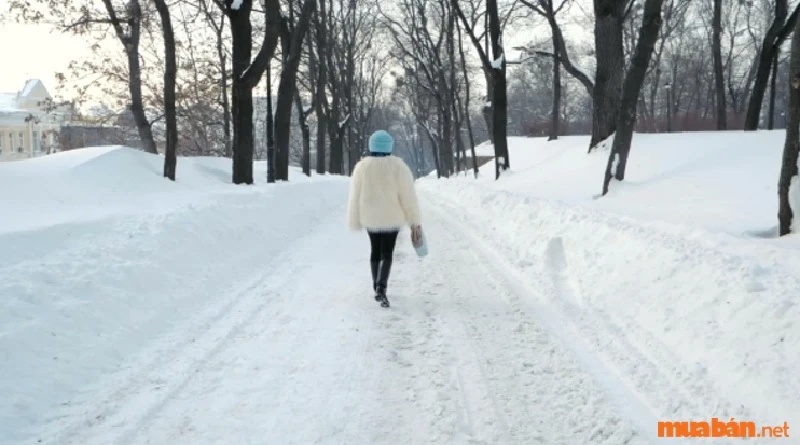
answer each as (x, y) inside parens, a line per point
(236, 5)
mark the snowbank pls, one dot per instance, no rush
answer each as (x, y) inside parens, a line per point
(700, 179)
(666, 258)
(101, 255)
(86, 184)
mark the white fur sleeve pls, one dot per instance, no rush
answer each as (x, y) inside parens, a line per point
(408, 195)
(353, 214)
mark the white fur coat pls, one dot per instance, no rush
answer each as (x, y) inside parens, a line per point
(382, 195)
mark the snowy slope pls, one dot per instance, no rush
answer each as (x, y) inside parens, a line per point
(665, 276)
(134, 310)
(700, 179)
(101, 255)
(225, 314)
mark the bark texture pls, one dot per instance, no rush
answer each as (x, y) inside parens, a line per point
(791, 147)
(648, 35)
(170, 74)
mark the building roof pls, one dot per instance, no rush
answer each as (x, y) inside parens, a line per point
(29, 86)
(9, 102)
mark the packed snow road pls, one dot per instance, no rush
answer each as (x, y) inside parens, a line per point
(302, 354)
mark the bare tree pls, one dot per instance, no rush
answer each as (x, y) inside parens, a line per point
(348, 42)
(719, 81)
(467, 98)
(609, 71)
(217, 22)
(497, 68)
(246, 74)
(782, 36)
(318, 64)
(648, 34)
(170, 74)
(765, 60)
(293, 47)
(788, 187)
(424, 38)
(548, 10)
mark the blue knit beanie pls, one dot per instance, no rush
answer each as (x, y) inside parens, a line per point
(381, 142)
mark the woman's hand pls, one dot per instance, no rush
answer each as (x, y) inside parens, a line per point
(416, 235)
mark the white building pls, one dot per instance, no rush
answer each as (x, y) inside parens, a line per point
(29, 122)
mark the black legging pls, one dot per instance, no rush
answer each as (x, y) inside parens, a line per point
(382, 245)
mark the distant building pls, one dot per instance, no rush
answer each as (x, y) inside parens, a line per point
(29, 122)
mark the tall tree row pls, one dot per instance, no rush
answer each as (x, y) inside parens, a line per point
(187, 76)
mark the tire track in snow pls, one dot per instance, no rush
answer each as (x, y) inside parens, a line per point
(652, 369)
(626, 400)
(331, 385)
(422, 348)
(480, 409)
(159, 376)
(532, 391)
(434, 362)
(461, 382)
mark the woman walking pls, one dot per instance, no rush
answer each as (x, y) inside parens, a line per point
(382, 201)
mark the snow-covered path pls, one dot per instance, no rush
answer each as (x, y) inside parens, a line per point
(304, 355)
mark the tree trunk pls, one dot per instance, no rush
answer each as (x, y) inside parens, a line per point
(137, 104)
(556, 85)
(609, 73)
(764, 66)
(467, 100)
(487, 71)
(487, 107)
(648, 35)
(719, 81)
(242, 134)
(336, 121)
(500, 102)
(321, 97)
(170, 72)
(337, 132)
(246, 75)
(286, 88)
(226, 106)
(270, 128)
(791, 147)
(283, 111)
(453, 98)
(302, 119)
(772, 87)
(241, 33)
(446, 145)
(434, 150)
(130, 41)
(354, 151)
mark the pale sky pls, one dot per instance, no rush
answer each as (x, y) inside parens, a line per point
(36, 52)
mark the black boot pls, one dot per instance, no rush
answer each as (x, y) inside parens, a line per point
(374, 266)
(383, 280)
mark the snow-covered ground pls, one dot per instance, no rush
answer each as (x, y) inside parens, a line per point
(675, 276)
(100, 256)
(134, 310)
